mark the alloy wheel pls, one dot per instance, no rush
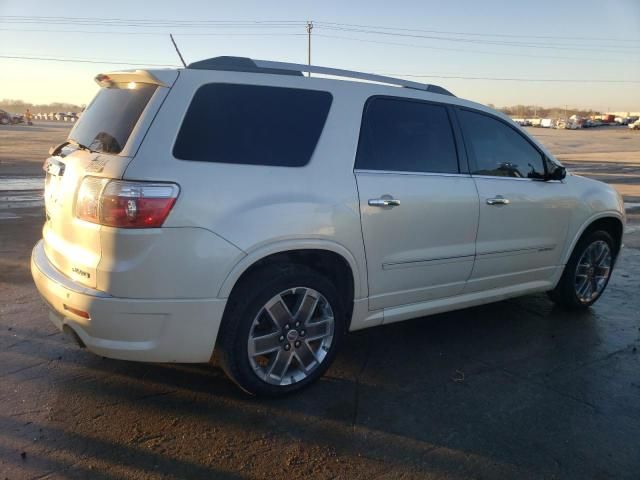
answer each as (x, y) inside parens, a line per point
(290, 336)
(593, 271)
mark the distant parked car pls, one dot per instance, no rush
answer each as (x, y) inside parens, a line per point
(592, 123)
(635, 125)
(8, 118)
(5, 118)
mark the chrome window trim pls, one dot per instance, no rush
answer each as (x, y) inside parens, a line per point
(509, 178)
(422, 174)
(517, 178)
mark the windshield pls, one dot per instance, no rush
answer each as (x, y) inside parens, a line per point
(107, 123)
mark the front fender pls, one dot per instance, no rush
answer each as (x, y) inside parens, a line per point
(585, 224)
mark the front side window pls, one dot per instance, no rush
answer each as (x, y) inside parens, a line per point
(252, 125)
(406, 136)
(498, 150)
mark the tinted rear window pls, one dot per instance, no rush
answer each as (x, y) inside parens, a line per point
(408, 136)
(253, 125)
(107, 123)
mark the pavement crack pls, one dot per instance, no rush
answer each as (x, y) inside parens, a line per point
(19, 414)
(139, 399)
(25, 368)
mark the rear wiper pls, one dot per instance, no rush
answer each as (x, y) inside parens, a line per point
(75, 143)
(53, 151)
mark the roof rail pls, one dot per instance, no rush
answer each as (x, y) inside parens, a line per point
(242, 64)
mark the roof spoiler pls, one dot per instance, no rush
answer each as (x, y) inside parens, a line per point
(136, 76)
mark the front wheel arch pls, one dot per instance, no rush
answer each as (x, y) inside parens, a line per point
(612, 224)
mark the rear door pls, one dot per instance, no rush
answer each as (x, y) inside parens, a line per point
(101, 145)
(523, 218)
(419, 211)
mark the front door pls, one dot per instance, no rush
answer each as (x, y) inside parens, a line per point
(523, 219)
(419, 213)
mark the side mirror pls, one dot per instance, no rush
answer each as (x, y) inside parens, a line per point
(556, 172)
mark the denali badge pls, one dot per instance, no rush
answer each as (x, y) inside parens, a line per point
(82, 273)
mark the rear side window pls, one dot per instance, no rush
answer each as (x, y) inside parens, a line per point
(254, 125)
(406, 136)
(498, 150)
(107, 123)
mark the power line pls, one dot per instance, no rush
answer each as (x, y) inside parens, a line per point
(113, 62)
(79, 60)
(468, 40)
(182, 34)
(149, 23)
(379, 27)
(480, 52)
(512, 79)
(157, 23)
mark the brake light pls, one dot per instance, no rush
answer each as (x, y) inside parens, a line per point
(123, 204)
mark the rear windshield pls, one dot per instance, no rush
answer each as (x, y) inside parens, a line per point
(109, 119)
(255, 125)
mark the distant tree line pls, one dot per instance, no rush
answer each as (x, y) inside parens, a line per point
(516, 111)
(531, 111)
(20, 106)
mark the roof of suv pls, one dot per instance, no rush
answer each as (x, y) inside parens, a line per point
(244, 64)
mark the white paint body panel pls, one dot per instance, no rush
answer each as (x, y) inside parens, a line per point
(523, 240)
(415, 252)
(443, 248)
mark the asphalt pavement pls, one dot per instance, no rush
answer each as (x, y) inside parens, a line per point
(517, 389)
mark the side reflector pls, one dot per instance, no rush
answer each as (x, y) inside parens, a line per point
(75, 311)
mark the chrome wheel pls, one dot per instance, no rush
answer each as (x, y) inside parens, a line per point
(290, 336)
(592, 271)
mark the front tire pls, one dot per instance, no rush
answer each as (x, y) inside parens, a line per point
(281, 330)
(587, 272)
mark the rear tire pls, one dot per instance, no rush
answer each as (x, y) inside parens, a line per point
(291, 313)
(587, 272)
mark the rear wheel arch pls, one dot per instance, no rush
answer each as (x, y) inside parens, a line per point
(336, 267)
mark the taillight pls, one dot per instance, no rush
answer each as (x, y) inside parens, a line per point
(123, 204)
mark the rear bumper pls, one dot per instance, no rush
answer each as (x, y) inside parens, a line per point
(149, 330)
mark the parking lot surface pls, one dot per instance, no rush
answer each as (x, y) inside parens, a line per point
(517, 389)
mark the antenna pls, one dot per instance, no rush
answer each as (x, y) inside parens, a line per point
(177, 50)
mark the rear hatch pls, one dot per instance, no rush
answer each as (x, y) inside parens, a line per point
(101, 144)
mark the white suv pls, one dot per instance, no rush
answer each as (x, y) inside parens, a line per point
(239, 204)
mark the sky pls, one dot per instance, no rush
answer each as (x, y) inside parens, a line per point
(584, 43)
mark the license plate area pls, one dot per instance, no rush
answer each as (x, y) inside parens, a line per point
(53, 185)
(52, 190)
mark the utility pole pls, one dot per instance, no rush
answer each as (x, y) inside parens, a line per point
(309, 28)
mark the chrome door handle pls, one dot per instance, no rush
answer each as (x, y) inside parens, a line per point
(383, 202)
(498, 200)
